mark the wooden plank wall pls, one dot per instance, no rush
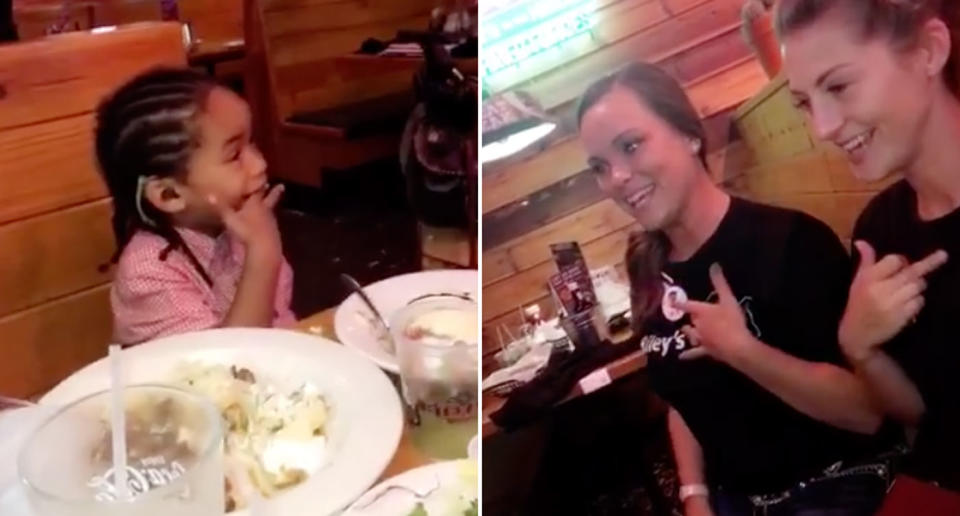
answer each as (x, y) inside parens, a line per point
(304, 40)
(698, 41)
(54, 212)
(301, 57)
(213, 21)
(34, 16)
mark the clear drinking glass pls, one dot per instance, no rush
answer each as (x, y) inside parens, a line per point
(436, 344)
(18, 419)
(174, 450)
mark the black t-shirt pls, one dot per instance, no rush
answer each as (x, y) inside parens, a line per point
(929, 349)
(791, 275)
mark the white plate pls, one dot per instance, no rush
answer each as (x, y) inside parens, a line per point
(421, 480)
(352, 323)
(366, 419)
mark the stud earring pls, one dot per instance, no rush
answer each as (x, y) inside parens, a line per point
(695, 145)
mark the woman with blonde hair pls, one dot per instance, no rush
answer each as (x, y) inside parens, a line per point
(878, 78)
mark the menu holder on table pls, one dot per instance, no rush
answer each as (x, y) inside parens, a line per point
(585, 328)
(533, 400)
(572, 284)
(573, 289)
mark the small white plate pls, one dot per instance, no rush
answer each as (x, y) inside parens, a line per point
(366, 418)
(352, 321)
(448, 477)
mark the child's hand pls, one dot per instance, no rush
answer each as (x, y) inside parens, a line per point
(254, 223)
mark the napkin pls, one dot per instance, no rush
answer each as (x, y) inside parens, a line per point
(537, 398)
(524, 369)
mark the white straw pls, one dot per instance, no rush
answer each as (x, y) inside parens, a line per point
(118, 425)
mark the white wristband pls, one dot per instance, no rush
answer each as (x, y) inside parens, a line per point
(687, 491)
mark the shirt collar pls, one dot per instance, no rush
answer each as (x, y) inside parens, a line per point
(205, 247)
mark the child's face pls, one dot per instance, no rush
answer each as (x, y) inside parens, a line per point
(226, 163)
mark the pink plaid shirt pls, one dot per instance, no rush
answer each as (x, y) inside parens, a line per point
(153, 298)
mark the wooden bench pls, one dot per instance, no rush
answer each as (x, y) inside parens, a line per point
(218, 45)
(315, 110)
(54, 208)
(33, 17)
(214, 22)
(217, 25)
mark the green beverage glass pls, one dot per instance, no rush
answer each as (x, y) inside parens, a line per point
(174, 457)
(436, 341)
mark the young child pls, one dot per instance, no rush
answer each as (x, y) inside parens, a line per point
(197, 240)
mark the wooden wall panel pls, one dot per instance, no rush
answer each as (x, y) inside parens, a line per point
(123, 12)
(807, 173)
(542, 207)
(357, 89)
(44, 345)
(497, 266)
(727, 88)
(585, 225)
(306, 38)
(531, 284)
(772, 127)
(54, 77)
(287, 18)
(703, 60)
(36, 180)
(33, 19)
(677, 6)
(295, 48)
(54, 255)
(532, 248)
(564, 159)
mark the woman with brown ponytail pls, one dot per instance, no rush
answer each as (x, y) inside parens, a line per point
(878, 79)
(738, 305)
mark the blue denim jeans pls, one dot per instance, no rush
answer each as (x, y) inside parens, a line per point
(854, 491)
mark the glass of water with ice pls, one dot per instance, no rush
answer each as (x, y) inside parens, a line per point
(437, 355)
(174, 457)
